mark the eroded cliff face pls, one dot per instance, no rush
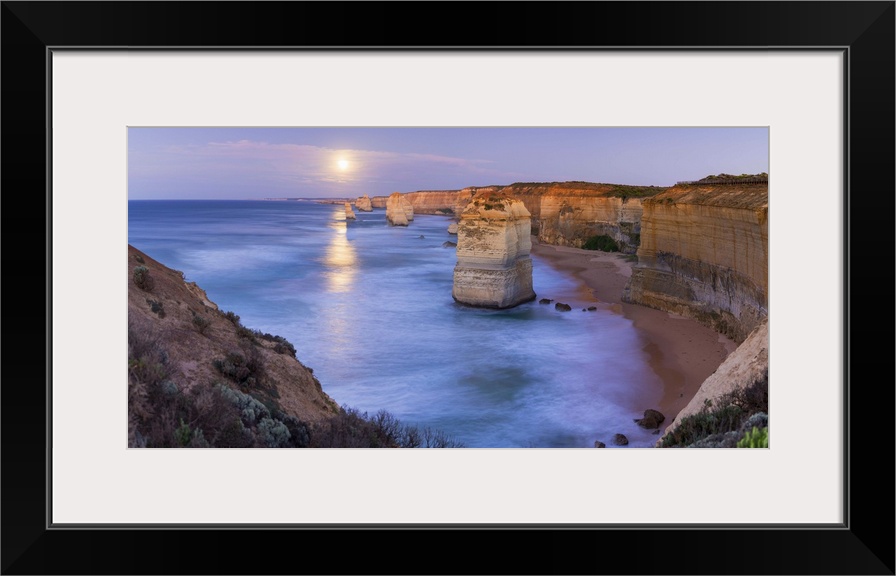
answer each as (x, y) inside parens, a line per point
(704, 254)
(561, 213)
(740, 369)
(493, 268)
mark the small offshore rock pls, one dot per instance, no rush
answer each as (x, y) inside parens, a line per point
(545, 301)
(620, 440)
(652, 419)
(592, 308)
(562, 307)
(452, 228)
(599, 444)
(449, 244)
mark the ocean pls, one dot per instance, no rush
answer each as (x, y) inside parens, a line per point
(369, 308)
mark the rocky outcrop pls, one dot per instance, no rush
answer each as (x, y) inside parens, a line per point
(748, 363)
(398, 210)
(452, 228)
(704, 254)
(493, 268)
(349, 213)
(569, 213)
(363, 204)
(561, 213)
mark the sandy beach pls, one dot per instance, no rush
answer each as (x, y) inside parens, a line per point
(682, 352)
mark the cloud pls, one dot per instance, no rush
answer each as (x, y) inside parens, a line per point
(247, 168)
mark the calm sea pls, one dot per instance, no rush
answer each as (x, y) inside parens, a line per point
(369, 308)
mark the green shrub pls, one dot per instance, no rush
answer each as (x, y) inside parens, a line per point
(156, 307)
(200, 322)
(142, 278)
(755, 438)
(273, 433)
(601, 242)
(354, 429)
(183, 434)
(723, 421)
(233, 318)
(241, 369)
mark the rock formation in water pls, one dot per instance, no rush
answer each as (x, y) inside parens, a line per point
(493, 268)
(349, 213)
(396, 214)
(363, 204)
(704, 254)
(561, 213)
(398, 210)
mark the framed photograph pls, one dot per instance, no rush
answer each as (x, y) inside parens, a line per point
(82, 79)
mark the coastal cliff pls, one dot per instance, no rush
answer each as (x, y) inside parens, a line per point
(494, 269)
(746, 365)
(192, 369)
(704, 254)
(561, 213)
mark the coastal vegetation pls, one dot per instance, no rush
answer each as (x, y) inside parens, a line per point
(163, 414)
(199, 378)
(601, 242)
(726, 421)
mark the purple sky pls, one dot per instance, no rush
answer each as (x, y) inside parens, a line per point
(252, 163)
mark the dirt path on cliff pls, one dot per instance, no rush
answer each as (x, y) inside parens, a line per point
(681, 351)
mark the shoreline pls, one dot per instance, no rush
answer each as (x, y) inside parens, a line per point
(681, 351)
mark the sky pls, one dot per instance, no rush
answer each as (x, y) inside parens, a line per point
(256, 163)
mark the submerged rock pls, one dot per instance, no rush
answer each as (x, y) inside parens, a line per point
(448, 244)
(493, 268)
(545, 301)
(599, 444)
(562, 307)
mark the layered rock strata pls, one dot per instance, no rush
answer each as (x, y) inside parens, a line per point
(493, 268)
(349, 213)
(561, 213)
(363, 204)
(704, 254)
(398, 210)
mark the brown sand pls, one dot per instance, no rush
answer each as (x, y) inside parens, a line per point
(681, 351)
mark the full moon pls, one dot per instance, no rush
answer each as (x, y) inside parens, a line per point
(342, 164)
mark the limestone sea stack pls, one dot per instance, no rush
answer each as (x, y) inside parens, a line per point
(363, 204)
(398, 210)
(493, 268)
(349, 213)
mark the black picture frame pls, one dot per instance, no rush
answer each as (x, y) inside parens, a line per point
(864, 544)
